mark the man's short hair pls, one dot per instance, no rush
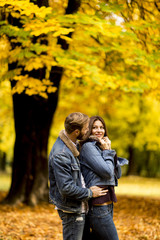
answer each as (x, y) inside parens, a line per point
(75, 121)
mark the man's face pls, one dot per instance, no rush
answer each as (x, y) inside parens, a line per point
(83, 131)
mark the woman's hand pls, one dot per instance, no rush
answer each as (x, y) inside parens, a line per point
(105, 143)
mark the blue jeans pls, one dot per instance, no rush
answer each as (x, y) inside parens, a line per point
(73, 225)
(101, 222)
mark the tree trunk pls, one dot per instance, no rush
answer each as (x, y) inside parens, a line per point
(41, 3)
(33, 117)
(2, 161)
(131, 167)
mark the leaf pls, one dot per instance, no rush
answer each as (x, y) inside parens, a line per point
(51, 89)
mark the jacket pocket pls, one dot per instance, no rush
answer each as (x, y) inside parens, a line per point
(75, 171)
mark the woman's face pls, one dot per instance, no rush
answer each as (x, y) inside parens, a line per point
(98, 129)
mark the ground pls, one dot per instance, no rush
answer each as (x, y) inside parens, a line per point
(136, 218)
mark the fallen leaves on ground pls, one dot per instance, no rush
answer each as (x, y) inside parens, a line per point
(136, 218)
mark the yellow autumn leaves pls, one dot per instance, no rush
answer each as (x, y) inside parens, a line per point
(33, 86)
(101, 51)
(25, 8)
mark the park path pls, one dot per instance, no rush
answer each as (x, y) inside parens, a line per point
(136, 218)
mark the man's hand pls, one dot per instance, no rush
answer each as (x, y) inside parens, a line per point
(97, 191)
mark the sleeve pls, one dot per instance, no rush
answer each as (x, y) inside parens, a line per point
(102, 165)
(120, 162)
(64, 179)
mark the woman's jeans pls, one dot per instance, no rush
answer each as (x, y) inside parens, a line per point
(101, 222)
(73, 225)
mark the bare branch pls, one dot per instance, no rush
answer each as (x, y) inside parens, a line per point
(156, 5)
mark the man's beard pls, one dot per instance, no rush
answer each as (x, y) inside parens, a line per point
(81, 136)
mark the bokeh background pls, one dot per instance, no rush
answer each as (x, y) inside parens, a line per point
(98, 57)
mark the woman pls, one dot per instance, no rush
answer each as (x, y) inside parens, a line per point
(100, 166)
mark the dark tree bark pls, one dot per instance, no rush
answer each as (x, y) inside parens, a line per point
(2, 161)
(33, 117)
(41, 3)
(131, 167)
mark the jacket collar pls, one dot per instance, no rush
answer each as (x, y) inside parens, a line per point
(68, 143)
(93, 138)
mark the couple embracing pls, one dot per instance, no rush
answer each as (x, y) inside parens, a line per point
(82, 177)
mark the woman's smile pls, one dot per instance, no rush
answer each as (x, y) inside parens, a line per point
(98, 129)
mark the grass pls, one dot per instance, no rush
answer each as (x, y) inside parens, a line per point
(130, 186)
(139, 186)
(5, 181)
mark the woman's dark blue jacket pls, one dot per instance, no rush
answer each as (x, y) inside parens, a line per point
(100, 167)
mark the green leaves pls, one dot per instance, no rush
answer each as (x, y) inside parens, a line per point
(111, 7)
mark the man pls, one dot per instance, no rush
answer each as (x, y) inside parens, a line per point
(66, 190)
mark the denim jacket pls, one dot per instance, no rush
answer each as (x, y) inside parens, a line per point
(66, 190)
(100, 167)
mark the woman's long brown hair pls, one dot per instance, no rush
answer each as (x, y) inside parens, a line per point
(91, 122)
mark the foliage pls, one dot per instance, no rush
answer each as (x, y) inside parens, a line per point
(110, 68)
(112, 55)
(6, 107)
(7, 134)
(137, 119)
(130, 119)
(134, 217)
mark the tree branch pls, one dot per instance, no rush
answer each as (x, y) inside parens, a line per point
(156, 5)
